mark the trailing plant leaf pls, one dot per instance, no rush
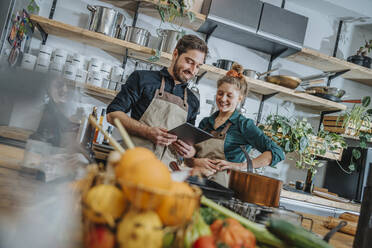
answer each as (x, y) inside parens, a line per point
(366, 101)
(356, 153)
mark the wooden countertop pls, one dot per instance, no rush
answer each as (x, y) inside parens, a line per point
(319, 200)
(338, 240)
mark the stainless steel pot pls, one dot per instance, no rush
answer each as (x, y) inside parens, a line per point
(169, 39)
(137, 35)
(106, 20)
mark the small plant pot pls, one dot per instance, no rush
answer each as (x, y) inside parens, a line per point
(356, 59)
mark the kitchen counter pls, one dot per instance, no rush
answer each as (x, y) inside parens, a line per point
(320, 201)
(338, 240)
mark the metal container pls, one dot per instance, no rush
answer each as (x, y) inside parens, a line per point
(137, 35)
(169, 39)
(224, 64)
(250, 73)
(106, 20)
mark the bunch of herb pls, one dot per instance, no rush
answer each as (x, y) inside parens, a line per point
(174, 11)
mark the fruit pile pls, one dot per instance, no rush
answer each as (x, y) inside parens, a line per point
(136, 208)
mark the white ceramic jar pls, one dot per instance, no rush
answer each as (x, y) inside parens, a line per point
(81, 75)
(112, 85)
(46, 50)
(117, 73)
(60, 56)
(95, 78)
(56, 68)
(95, 65)
(78, 60)
(105, 83)
(69, 71)
(28, 61)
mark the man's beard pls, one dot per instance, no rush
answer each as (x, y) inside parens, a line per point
(177, 75)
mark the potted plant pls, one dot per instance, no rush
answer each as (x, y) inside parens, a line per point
(296, 137)
(359, 118)
(361, 57)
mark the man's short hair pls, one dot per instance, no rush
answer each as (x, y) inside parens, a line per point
(191, 42)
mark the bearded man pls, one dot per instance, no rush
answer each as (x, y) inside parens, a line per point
(160, 101)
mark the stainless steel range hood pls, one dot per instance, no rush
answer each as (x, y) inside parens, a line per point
(254, 24)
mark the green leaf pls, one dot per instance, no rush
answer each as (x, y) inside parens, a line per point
(363, 144)
(356, 153)
(352, 167)
(366, 101)
(369, 112)
(303, 143)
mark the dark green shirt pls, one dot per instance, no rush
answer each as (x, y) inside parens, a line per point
(243, 131)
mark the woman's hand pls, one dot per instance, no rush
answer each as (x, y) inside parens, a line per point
(225, 165)
(205, 166)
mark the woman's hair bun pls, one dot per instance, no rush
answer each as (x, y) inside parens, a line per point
(237, 67)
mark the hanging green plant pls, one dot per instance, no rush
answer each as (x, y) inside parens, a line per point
(174, 11)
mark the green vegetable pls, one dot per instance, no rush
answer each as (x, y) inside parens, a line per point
(197, 229)
(295, 235)
(168, 239)
(209, 215)
(262, 234)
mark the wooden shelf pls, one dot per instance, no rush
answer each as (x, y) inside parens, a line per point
(148, 7)
(118, 46)
(326, 63)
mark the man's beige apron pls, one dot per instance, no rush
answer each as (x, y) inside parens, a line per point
(214, 149)
(167, 111)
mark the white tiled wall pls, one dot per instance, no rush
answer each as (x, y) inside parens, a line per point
(321, 33)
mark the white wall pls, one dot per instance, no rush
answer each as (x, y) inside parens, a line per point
(321, 32)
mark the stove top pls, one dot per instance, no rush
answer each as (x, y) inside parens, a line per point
(260, 214)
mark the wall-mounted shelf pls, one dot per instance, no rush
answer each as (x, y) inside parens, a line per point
(324, 62)
(148, 7)
(118, 46)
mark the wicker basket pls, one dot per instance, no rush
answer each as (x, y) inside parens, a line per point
(136, 194)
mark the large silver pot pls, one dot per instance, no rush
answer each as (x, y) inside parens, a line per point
(106, 21)
(136, 35)
(169, 39)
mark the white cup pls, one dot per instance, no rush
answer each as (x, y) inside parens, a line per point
(117, 73)
(69, 71)
(69, 58)
(44, 49)
(28, 61)
(81, 75)
(56, 68)
(105, 83)
(60, 56)
(95, 64)
(105, 74)
(112, 85)
(106, 67)
(41, 68)
(95, 78)
(78, 59)
(44, 56)
(43, 61)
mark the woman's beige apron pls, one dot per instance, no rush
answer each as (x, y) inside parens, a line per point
(167, 111)
(214, 149)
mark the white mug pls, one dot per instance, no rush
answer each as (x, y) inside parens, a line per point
(41, 68)
(60, 56)
(78, 60)
(70, 71)
(43, 61)
(81, 75)
(95, 78)
(95, 64)
(117, 73)
(28, 61)
(44, 49)
(56, 68)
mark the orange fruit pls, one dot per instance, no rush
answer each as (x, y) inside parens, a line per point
(132, 156)
(178, 207)
(105, 203)
(142, 180)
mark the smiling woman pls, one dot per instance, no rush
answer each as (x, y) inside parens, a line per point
(233, 134)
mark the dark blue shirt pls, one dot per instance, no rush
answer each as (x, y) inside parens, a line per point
(139, 90)
(243, 131)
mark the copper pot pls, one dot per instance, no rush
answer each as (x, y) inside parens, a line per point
(254, 188)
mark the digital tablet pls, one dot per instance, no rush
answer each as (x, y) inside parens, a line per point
(190, 134)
